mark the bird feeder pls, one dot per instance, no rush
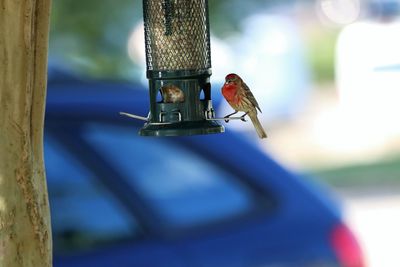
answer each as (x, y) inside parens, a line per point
(178, 60)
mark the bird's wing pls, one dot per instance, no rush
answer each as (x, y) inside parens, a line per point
(250, 96)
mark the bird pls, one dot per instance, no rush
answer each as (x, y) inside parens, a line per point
(240, 98)
(172, 94)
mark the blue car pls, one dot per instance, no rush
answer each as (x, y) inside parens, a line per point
(118, 199)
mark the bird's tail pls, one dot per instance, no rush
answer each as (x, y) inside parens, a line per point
(257, 125)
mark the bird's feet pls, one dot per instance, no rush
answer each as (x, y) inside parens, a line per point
(242, 118)
(227, 116)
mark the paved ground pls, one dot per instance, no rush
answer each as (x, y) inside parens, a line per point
(375, 218)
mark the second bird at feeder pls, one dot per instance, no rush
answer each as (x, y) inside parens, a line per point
(172, 94)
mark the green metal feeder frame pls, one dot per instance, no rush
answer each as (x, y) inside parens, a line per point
(178, 59)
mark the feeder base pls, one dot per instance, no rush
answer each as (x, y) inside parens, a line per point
(182, 128)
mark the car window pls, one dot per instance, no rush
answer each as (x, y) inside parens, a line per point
(184, 188)
(84, 213)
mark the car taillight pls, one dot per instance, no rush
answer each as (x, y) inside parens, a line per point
(346, 247)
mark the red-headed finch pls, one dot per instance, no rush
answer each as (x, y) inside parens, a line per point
(239, 96)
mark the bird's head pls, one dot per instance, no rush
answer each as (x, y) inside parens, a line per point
(232, 79)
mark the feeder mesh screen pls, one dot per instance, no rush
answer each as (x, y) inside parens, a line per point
(177, 35)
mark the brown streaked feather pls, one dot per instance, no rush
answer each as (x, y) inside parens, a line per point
(250, 96)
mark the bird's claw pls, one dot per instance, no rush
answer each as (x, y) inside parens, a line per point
(243, 119)
(226, 119)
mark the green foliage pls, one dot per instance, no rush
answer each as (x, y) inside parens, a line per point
(321, 53)
(90, 36)
(381, 173)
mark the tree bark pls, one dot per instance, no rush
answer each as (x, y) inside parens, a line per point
(25, 233)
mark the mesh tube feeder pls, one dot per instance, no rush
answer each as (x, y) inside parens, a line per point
(178, 60)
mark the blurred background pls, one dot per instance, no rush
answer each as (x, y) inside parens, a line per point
(326, 74)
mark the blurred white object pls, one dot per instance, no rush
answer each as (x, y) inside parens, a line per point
(368, 80)
(338, 11)
(222, 59)
(136, 51)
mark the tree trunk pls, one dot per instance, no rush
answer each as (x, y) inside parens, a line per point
(25, 233)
